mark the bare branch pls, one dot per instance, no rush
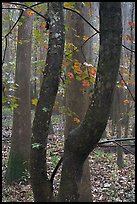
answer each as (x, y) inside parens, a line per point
(29, 7)
(82, 18)
(11, 8)
(128, 48)
(6, 42)
(82, 44)
(127, 86)
(93, 26)
(116, 140)
(4, 54)
(124, 148)
(15, 23)
(55, 170)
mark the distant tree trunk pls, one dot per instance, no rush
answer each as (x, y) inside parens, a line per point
(119, 102)
(82, 140)
(7, 60)
(21, 130)
(133, 131)
(130, 72)
(116, 115)
(76, 101)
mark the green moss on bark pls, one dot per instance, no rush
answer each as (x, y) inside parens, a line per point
(16, 167)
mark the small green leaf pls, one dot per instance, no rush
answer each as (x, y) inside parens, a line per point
(3, 99)
(36, 145)
(45, 109)
(15, 105)
(19, 23)
(78, 78)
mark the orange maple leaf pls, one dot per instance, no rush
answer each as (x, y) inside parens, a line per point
(70, 75)
(132, 24)
(30, 13)
(43, 25)
(126, 101)
(86, 84)
(93, 72)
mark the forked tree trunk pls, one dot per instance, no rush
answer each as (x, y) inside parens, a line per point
(21, 130)
(82, 140)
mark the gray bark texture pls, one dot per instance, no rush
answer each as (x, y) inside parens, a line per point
(42, 188)
(82, 140)
(21, 129)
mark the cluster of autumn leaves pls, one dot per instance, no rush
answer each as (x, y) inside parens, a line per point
(85, 73)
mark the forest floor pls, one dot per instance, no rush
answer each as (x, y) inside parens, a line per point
(109, 183)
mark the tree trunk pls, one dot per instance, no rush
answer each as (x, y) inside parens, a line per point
(76, 101)
(82, 140)
(118, 110)
(42, 188)
(21, 129)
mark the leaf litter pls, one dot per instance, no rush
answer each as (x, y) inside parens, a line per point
(108, 182)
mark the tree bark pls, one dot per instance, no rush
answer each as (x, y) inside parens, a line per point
(21, 130)
(75, 100)
(82, 140)
(42, 188)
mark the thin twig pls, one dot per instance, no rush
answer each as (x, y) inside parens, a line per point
(124, 148)
(127, 86)
(15, 23)
(92, 25)
(4, 54)
(82, 18)
(11, 8)
(29, 7)
(128, 48)
(116, 140)
(55, 170)
(6, 40)
(81, 45)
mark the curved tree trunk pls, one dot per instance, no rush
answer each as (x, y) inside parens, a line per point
(42, 188)
(21, 129)
(82, 140)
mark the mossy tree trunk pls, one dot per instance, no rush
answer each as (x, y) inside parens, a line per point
(21, 130)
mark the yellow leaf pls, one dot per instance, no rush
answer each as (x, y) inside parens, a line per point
(77, 120)
(85, 37)
(34, 102)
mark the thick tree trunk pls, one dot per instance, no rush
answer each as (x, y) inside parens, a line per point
(82, 140)
(21, 130)
(42, 188)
